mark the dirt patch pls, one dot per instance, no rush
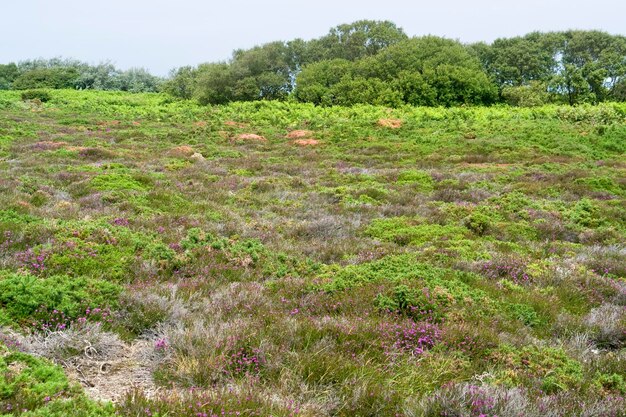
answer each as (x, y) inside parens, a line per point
(109, 379)
(183, 151)
(201, 123)
(47, 145)
(299, 134)
(390, 123)
(306, 142)
(250, 136)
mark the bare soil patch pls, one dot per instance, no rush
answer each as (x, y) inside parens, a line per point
(250, 136)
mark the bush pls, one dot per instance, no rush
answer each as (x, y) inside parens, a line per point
(41, 95)
(29, 300)
(531, 95)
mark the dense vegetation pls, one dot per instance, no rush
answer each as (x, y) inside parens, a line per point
(69, 73)
(377, 63)
(373, 62)
(286, 259)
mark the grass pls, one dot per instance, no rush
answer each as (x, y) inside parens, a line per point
(468, 261)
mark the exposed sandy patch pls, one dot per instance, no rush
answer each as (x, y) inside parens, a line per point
(250, 136)
(110, 379)
(299, 134)
(390, 123)
(183, 151)
(306, 142)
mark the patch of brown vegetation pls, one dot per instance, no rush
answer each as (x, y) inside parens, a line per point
(250, 136)
(183, 151)
(390, 123)
(200, 123)
(76, 148)
(48, 145)
(299, 134)
(109, 123)
(95, 153)
(306, 142)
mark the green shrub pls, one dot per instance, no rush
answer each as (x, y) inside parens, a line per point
(420, 180)
(612, 382)
(25, 298)
(554, 369)
(117, 182)
(41, 95)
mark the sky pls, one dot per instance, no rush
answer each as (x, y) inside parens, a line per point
(160, 35)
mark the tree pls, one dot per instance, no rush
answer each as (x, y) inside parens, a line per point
(214, 83)
(47, 78)
(591, 65)
(8, 73)
(263, 72)
(182, 82)
(103, 76)
(314, 84)
(447, 74)
(136, 80)
(356, 40)
(518, 61)
(532, 94)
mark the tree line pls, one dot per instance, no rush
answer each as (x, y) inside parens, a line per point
(58, 73)
(376, 62)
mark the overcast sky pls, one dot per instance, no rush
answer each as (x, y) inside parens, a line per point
(163, 34)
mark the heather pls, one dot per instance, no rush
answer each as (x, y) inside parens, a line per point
(158, 258)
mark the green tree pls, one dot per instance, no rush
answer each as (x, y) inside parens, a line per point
(263, 72)
(8, 73)
(182, 82)
(58, 77)
(591, 65)
(356, 40)
(214, 83)
(448, 73)
(136, 80)
(315, 82)
(103, 76)
(532, 94)
(518, 61)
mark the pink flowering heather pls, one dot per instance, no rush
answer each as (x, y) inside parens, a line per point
(409, 337)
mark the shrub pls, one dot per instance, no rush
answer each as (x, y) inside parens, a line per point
(531, 95)
(41, 95)
(32, 301)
